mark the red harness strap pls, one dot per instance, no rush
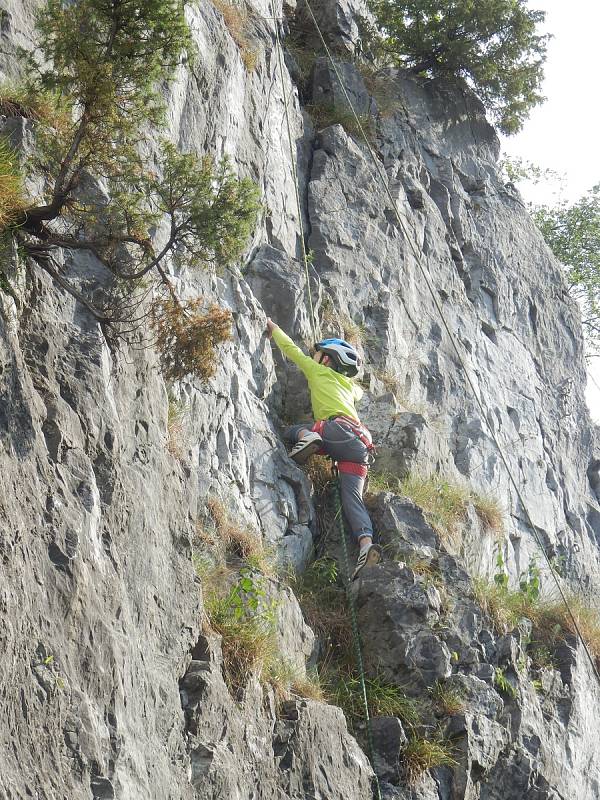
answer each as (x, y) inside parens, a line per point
(352, 468)
(318, 426)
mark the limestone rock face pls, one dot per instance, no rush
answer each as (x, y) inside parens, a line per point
(111, 685)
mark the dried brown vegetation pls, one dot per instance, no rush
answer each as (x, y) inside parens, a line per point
(187, 339)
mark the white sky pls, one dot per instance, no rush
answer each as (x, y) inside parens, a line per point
(563, 133)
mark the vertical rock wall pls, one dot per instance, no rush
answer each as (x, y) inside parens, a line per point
(109, 688)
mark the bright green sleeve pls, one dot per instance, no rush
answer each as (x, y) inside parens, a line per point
(291, 351)
(357, 391)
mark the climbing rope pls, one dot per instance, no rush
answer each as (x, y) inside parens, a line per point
(455, 345)
(295, 177)
(355, 631)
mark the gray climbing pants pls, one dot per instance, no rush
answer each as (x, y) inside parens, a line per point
(342, 444)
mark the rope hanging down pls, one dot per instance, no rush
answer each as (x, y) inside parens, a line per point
(295, 177)
(355, 633)
(456, 347)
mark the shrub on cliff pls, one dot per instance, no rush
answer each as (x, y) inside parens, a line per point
(98, 66)
(493, 45)
(573, 234)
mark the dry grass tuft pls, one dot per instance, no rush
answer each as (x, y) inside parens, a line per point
(379, 86)
(489, 512)
(444, 503)
(552, 622)
(421, 754)
(318, 470)
(289, 683)
(236, 20)
(323, 115)
(228, 539)
(336, 323)
(176, 438)
(447, 700)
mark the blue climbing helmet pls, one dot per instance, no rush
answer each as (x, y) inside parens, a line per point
(344, 356)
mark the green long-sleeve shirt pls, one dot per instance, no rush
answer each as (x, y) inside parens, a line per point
(331, 392)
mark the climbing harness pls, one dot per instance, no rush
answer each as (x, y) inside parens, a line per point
(355, 631)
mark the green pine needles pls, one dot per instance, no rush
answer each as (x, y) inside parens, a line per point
(493, 45)
(96, 74)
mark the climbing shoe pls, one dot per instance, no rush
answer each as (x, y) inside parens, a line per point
(306, 447)
(368, 557)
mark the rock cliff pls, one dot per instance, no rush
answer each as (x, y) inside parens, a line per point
(112, 684)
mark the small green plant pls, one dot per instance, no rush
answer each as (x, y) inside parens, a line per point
(323, 603)
(421, 754)
(541, 656)
(529, 583)
(245, 619)
(503, 684)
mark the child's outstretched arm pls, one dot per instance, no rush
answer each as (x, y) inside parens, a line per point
(290, 350)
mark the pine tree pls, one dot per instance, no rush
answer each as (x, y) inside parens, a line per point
(93, 98)
(491, 44)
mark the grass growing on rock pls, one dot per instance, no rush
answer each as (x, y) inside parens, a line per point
(552, 622)
(325, 114)
(384, 699)
(176, 438)
(444, 503)
(421, 754)
(227, 538)
(12, 198)
(446, 699)
(240, 608)
(236, 21)
(323, 603)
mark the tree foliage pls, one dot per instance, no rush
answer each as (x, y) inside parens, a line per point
(573, 234)
(492, 44)
(93, 96)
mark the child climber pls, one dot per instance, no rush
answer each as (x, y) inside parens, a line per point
(337, 431)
